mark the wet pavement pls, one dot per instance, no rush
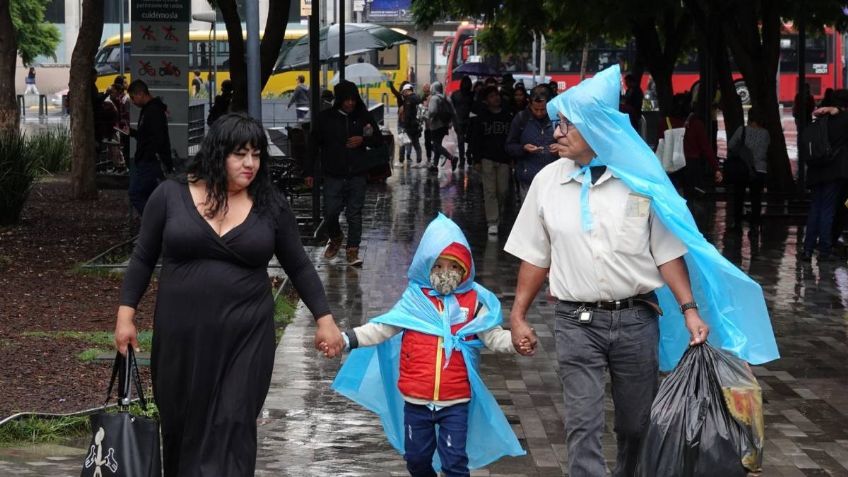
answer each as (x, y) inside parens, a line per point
(307, 429)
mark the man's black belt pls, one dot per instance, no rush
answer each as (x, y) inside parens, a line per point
(645, 299)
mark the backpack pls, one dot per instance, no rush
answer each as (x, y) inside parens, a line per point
(815, 142)
(444, 110)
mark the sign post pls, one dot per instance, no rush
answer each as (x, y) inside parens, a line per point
(160, 59)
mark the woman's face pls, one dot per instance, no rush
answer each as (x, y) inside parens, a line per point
(570, 142)
(242, 167)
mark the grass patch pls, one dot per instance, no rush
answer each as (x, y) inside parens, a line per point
(38, 430)
(102, 341)
(284, 309)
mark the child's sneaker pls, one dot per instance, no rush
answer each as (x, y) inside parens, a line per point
(333, 246)
(353, 257)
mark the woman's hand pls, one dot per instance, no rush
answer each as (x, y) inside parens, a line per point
(125, 332)
(328, 338)
(718, 177)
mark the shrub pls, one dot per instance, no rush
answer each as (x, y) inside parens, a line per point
(18, 168)
(52, 148)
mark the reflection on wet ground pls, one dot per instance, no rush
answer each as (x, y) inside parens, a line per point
(306, 429)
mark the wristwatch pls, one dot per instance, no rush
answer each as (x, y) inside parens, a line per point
(688, 306)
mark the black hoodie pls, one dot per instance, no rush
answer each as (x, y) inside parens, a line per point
(333, 129)
(152, 140)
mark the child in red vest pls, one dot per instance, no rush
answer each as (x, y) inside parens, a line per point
(435, 388)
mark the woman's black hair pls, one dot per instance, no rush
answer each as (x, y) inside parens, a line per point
(228, 134)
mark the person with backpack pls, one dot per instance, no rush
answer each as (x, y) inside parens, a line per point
(221, 106)
(441, 115)
(409, 123)
(531, 135)
(756, 139)
(827, 174)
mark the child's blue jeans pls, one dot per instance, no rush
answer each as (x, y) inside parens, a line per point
(420, 440)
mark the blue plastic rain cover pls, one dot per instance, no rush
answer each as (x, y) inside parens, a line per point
(369, 375)
(730, 302)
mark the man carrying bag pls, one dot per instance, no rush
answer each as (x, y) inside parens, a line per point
(123, 444)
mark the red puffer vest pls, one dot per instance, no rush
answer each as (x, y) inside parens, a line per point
(422, 360)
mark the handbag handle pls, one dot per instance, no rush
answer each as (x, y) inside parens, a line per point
(125, 368)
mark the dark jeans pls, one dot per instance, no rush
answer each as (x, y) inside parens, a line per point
(626, 342)
(755, 186)
(348, 194)
(428, 143)
(461, 133)
(438, 135)
(820, 220)
(415, 138)
(144, 177)
(420, 439)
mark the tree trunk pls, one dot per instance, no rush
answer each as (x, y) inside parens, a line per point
(82, 114)
(583, 60)
(660, 58)
(731, 104)
(269, 48)
(758, 61)
(9, 118)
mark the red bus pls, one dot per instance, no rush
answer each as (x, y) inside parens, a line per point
(824, 58)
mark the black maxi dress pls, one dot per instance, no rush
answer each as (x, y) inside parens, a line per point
(213, 329)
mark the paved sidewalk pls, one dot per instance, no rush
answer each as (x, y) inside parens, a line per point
(309, 430)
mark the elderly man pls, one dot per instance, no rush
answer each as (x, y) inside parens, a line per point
(606, 226)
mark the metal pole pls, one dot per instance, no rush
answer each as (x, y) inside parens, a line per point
(215, 55)
(324, 70)
(543, 57)
(254, 90)
(803, 114)
(341, 72)
(314, 91)
(211, 80)
(121, 14)
(533, 56)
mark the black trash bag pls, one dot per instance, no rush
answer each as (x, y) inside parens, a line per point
(707, 419)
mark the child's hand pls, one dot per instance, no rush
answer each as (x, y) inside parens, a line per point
(324, 348)
(526, 348)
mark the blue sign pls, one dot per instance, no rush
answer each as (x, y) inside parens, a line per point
(390, 8)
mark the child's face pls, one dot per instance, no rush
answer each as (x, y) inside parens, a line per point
(446, 275)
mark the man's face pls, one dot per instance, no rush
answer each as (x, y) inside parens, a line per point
(426, 89)
(493, 100)
(538, 109)
(139, 99)
(348, 105)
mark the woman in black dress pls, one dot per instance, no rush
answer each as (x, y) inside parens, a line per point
(213, 329)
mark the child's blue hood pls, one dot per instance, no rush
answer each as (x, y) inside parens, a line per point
(730, 302)
(441, 232)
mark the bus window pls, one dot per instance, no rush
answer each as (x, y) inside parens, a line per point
(388, 58)
(817, 54)
(108, 59)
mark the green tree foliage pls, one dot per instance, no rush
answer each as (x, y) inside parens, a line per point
(34, 36)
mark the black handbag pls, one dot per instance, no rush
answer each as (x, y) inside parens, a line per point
(123, 444)
(739, 165)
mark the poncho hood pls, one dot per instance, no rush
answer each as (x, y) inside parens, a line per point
(730, 302)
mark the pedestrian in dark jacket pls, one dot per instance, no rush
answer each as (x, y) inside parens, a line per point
(153, 145)
(342, 136)
(221, 106)
(441, 117)
(300, 98)
(826, 183)
(490, 131)
(462, 100)
(410, 124)
(531, 135)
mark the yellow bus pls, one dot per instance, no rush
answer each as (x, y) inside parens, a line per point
(393, 62)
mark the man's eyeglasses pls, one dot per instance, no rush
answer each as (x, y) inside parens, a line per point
(563, 125)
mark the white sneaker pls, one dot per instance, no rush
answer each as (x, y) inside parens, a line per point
(493, 230)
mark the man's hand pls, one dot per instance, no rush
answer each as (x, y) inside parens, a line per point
(698, 330)
(531, 148)
(328, 338)
(309, 181)
(353, 142)
(718, 177)
(523, 336)
(826, 110)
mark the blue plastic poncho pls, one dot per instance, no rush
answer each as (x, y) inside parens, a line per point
(370, 375)
(730, 302)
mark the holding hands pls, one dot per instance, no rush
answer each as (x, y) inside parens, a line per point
(328, 338)
(523, 337)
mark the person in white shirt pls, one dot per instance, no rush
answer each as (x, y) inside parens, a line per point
(605, 252)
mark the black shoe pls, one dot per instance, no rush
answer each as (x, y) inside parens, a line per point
(826, 257)
(433, 168)
(417, 159)
(453, 163)
(806, 257)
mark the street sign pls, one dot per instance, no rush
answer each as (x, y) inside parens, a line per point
(305, 8)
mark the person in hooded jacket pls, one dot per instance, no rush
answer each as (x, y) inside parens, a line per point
(443, 319)
(490, 132)
(341, 136)
(153, 145)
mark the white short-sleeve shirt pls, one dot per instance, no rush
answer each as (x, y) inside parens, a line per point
(616, 259)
